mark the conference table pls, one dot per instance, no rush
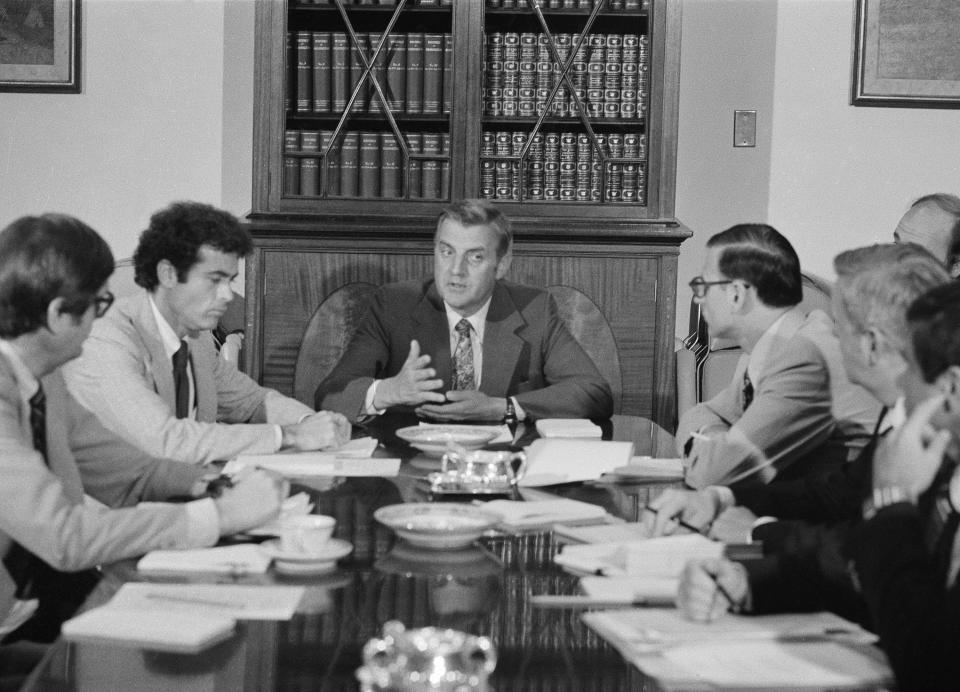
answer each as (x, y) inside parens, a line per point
(483, 589)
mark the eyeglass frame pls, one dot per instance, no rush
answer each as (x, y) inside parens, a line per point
(700, 287)
(102, 303)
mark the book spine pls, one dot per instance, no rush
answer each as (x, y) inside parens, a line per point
(615, 176)
(445, 167)
(527, 95)
(595, 70)
(331, 165)
(544, 73)
(631, 150)
(448, 73)
(321, 71)
(584, 155)
(341, 71)
(304, 72)
(397, 72)
(432, 144)
(568, 166)
(551, 166)
(432, 72)
(390, 173)
(362, 101)
(561, 101)
(503, 177)
(611, 76)
(309, 166)
(493, 74)
(517, 141)
(579, 72)
(414, 73)
(290, 69)
(378, 73)
(643, 75)
(291, 166)
(349, 164)
(415, 178)
(511, 74)
(596, 169)
(488, 167)
(535, 168)
(369, 164)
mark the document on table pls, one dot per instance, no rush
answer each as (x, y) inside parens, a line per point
(646, 590)
(568, 427)
(351, 459)
(644, 468)
(553, 461)
(158, 631)
(771, 651)
(239, 601)
(622, 532)
(653, 557)
(517, 514)
(245, 558)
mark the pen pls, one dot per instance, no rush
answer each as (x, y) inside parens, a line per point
(724, 593)
(194, 600)
(681, 522)
(558, 601)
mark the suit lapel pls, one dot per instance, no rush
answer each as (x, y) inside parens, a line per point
(161, 367)
(501, 343)
(430, 323)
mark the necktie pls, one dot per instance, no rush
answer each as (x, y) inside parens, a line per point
(38, 422)
(180, 382)
(463, 374)
(747, 390)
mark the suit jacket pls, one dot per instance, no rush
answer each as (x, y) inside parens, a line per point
(915, 612)
(528, 352)
(125, 377)
(789, 417)
(42, 508)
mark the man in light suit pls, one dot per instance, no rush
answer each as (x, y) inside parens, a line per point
(53, 274)
(127, 375)
(778, 409)
(466, 345)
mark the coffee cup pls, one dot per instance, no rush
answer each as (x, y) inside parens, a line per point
(306, 534)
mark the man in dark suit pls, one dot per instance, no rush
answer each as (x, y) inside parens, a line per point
(466, 345)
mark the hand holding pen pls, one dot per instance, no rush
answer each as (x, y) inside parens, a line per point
(709, 588)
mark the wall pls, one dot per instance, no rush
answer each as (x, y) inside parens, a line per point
(164, 115)
(841, 176)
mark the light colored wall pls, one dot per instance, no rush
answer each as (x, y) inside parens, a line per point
(726, 64)
(841, 176)
(164, 115)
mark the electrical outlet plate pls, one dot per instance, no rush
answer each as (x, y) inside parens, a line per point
(744, 128)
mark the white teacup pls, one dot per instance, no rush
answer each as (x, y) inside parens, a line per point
(306, 534)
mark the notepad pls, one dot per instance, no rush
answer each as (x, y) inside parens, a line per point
(664, 556)
(621, 532)
(231, 559)
(157, 630)
(238, 601)
(568, 427)
(553, 461)
(648, 590)
(516, 514)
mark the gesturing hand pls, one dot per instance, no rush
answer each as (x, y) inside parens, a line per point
(465, 404)
(414, 384)
(317, 431)
(910, 456)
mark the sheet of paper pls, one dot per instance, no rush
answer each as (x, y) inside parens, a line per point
(654, 590)
(155, 630)
(313, 464)
(568, 427)
(245, 558)
(653, 557)
(239, 601)
(651, 467)
(503, 431)
(607, 533)
(521, 514)
(553, 461)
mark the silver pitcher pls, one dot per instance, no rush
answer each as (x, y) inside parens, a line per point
(479, 471)
(427, 658)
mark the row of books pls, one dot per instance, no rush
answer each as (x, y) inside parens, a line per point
(614, 5)
(365, 164)
(414, 71)
(610, 74)
(564, 167)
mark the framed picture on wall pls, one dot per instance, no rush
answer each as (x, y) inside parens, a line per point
(40, 45)
(907, 53)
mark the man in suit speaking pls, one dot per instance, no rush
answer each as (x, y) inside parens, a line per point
(466, 345)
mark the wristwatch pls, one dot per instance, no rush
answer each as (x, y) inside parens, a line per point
(884, 497)
(510, 416)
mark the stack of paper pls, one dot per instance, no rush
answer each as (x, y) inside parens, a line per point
(627, 590)
(568, 427)
(650, 467)
(808, 650)
(245, 558)
(516, 514)
(565, 461)
(161, 631)
(654, 557)
(352, 459)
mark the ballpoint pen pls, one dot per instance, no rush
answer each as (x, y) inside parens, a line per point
(681, 522)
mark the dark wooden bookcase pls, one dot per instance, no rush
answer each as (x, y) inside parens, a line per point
(609, 257)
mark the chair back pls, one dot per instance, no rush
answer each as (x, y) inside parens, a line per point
(327, 335)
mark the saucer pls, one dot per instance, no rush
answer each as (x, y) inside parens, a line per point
(306, 563)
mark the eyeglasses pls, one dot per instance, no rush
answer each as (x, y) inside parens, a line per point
(102, 303)
(699, 286)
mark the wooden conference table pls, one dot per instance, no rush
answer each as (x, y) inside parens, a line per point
(482, 590)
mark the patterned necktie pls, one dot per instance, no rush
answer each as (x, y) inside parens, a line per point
(747, 390)
(463, 374)
(38, 422)
(180, 382)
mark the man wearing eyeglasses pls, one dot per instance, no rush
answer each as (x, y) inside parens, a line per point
(775, 418)
(150, 370)
(53, 452)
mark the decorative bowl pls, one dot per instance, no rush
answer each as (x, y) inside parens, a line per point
(437, 525)
(436, 440)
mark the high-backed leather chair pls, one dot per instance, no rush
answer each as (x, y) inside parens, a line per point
(705, 365)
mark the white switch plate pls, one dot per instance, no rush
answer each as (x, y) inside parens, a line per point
(744, 128)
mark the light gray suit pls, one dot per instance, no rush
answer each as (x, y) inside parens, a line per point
(125, 377)
(43, 508)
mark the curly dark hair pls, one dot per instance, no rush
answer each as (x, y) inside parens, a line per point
(47, 257)
(176, 233)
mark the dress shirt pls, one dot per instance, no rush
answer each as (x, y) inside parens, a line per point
(761, 352)
(171, 344)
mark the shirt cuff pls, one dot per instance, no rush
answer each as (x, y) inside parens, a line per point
(724, 495)
(757, 523)
(368, 408)
(203, 524)
(518, 409)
